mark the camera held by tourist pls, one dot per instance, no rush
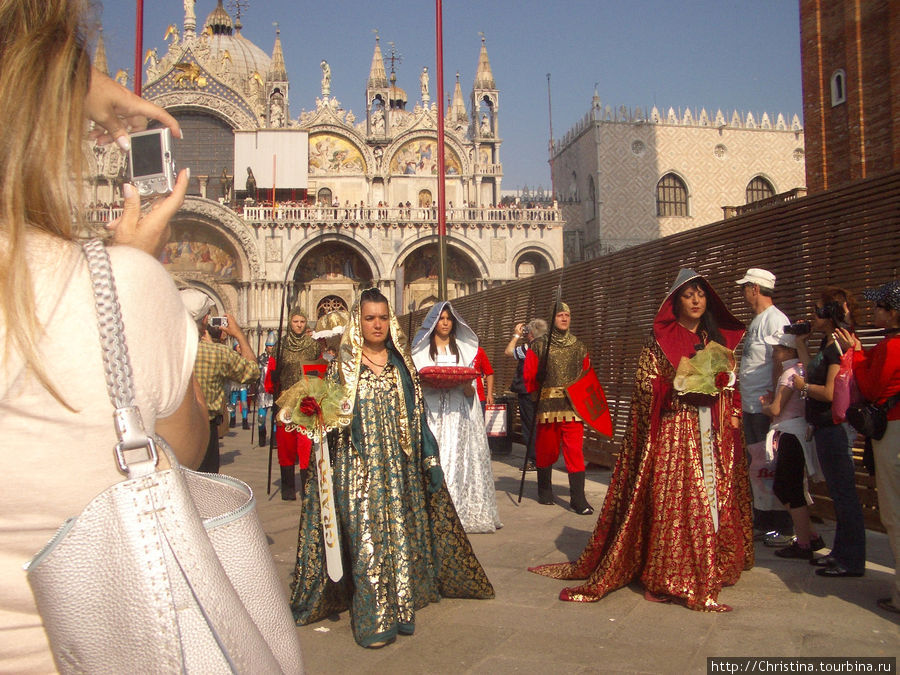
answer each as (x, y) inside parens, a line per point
(216, 364)
(58, 436)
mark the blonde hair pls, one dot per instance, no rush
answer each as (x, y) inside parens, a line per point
(45, 73)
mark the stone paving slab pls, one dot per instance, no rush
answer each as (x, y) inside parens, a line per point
(781, 608)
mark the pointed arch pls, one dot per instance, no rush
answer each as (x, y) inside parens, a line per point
(672, 196)
(759, 188)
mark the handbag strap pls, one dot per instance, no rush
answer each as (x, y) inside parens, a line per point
(891, 402)
(117, 367)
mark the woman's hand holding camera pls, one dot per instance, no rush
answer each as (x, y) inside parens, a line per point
(116, 111)
(148, 231)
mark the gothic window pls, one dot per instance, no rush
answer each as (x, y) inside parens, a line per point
(671, 196)
(330, 303)
(590, 210)
(759, 188)
(838, 87)
(323, 197)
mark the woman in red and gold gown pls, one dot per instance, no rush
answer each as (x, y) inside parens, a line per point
(677, 516)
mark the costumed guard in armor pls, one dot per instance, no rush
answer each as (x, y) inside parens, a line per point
(295, 350)
(264, 398)
(558, 425)
(402, 544)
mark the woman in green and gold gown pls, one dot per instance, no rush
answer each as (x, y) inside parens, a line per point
(402, 544)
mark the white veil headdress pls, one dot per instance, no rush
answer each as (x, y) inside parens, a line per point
(466, 340)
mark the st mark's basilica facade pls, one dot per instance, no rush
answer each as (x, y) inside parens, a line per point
(366, 214)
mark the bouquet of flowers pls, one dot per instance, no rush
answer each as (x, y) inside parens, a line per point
(313, 406)
(709, 371)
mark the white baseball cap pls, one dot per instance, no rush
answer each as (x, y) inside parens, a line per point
(756, 275)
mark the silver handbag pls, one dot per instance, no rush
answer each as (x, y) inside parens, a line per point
(167, 571)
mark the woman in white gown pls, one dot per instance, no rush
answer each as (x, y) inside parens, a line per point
(456, 420)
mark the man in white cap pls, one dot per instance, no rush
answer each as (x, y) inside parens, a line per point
(216, 363)
(770, 518)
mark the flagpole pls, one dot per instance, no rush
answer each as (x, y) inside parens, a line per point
(138, 46)
(441, 196)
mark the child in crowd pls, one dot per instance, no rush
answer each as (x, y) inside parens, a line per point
(796, 460)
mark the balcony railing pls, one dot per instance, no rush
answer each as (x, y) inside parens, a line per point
(396, 214)
(780, 198)
(489, 169)
(371, 215)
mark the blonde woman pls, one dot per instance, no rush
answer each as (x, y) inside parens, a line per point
(55, 412)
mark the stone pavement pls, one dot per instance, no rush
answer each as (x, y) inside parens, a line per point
(781, 608)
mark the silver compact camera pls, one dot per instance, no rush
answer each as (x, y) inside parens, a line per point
(218, 321)
(151, 167)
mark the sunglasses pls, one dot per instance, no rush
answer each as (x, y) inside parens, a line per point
(883, 306)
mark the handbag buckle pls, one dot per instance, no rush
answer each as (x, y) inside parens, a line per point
(121, 448)
(132, 436)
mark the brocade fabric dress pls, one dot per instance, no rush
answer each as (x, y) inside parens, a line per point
(677, 516)
(402, 546)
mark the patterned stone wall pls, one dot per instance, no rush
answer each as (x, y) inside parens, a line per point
(625, 155)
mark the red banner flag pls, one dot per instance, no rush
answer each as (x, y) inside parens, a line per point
(587, 398)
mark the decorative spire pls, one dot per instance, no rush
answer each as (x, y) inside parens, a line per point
(377, 74)
(190, 19)
(458, 107)
(277, 70)
(237, 8)
(219, 21)
(100, 55)
(484, 78)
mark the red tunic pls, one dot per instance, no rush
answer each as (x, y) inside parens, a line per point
(877, 372)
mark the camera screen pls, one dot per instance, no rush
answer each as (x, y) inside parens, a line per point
(146, 156)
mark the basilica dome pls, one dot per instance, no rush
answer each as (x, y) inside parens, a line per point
(223, 35)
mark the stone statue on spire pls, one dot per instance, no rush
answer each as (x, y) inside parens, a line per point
(326, 78)
(190, 18)
(423, 81)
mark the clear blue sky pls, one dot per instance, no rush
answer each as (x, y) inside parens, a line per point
(689, 53)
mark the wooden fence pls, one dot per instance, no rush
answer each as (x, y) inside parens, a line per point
(848, 237)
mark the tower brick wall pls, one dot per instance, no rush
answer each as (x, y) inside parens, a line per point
(860, 137)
